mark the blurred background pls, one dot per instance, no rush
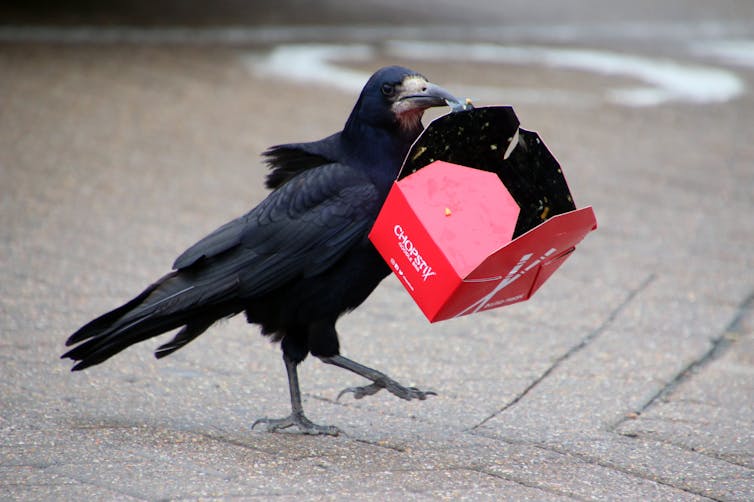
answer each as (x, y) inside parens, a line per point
(259, 12)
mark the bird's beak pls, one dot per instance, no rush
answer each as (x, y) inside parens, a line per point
(426, 95)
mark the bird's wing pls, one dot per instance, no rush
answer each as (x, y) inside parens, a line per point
(286, 161)
(299, 230)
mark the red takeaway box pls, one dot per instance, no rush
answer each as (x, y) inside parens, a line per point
(480, 216)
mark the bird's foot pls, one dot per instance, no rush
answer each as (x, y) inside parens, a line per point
(305, 425)
(407, 393)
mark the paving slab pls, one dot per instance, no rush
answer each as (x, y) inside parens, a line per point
(708, 409)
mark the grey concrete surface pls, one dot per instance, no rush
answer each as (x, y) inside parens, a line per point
(629, 376)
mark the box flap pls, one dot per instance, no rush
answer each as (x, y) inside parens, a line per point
(518, 269)
(489, 138)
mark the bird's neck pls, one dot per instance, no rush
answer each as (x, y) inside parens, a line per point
(380, 152)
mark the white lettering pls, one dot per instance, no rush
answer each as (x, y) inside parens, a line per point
(413, 255)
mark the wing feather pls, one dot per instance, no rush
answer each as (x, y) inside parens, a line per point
(300, 230)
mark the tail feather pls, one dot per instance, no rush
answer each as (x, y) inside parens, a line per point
(102, 347)
(184, 336)
(106, 321)
(173, 301)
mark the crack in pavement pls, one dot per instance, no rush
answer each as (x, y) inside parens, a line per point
(86, 480)
(573, 350)
(377, 444)
(654, 478)
(719, 345)
(693, 449)
(594, 460)
(522, 482)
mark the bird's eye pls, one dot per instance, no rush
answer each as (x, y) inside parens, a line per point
(388, 90)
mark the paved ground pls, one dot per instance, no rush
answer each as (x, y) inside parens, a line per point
(629, 376)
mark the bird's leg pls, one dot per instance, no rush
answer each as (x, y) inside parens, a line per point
(379, 381)
(297, 416)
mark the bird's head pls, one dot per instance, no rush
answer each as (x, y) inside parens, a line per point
(397, 97)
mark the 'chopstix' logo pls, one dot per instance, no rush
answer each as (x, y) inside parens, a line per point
(413, 255)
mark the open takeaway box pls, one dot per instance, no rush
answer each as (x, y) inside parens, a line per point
(480, 216)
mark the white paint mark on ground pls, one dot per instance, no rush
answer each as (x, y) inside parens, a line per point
(666, 80)
(318, 64)
(314, 63)
(737, 52)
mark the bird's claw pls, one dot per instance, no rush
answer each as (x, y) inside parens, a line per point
(359, 392)
(305, 425)
(407, 393)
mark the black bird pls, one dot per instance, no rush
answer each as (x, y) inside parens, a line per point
(297, 261)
